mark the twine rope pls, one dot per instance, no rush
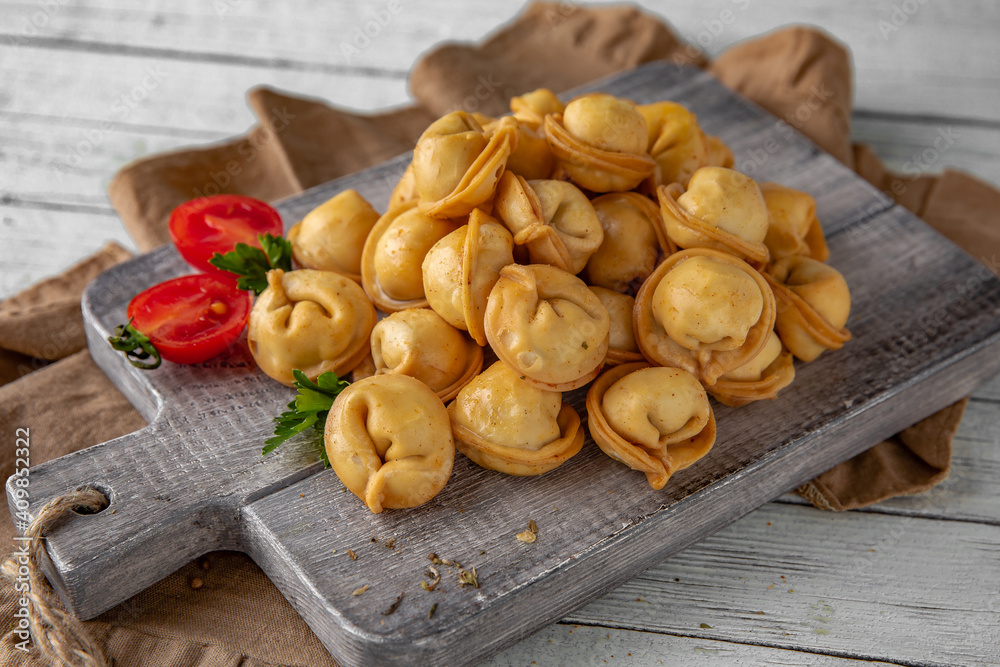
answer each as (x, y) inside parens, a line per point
(57, 634)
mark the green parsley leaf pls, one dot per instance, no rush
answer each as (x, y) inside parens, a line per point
(251, 264)
(309, 408)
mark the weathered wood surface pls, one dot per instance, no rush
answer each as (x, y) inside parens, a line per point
(577, 645)
(925, 77)
(57, 158)
(194, 482)
(914, 57)
(813, 589)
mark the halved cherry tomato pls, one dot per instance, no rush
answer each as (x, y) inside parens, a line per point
(207, 225)
(192, 318)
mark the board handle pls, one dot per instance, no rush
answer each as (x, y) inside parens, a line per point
(158, 517)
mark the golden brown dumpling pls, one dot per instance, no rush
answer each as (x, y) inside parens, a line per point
(719, 154)
(548, 326)
(622, 347)
(506, 424)
(633, 242)
(553, 219)
(704, 311)
(678, 144)
(405, 190)
(814, 306)
(600, 142)
(532, 157)
(655, 420)
(331, 236)
(364, 369)
(760, 378)
(532, 108)
(460, 270)
(418, 343)
(456, 166)
(721, 209)
(391, 261)
(793, 228)
(389, 440)
(313, 321)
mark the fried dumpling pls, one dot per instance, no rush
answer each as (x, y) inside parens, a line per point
(533, 158)
(814, 306)
(633, 242)
(678, 144)
(460, 270)
(719, 154)
(405, 190)
(704, 311)
(532, 108)
(793, 228)
(653, 419)
(553, 219)
(506, 424)
(622, 347)
(313, 321)
(721, 209)
(456, 166)
(331, 236)
(600, 142)
(389, 440)
(548, 326)
(364, 369)
(419, 343)
(760, 378)
(393, 255)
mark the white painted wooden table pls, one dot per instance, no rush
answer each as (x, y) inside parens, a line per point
(88, 85)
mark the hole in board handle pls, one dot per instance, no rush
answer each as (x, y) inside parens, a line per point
(99, 506)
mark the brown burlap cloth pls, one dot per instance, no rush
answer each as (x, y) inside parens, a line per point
(236, 616)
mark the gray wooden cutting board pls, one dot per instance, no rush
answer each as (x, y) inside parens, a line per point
(926, 324)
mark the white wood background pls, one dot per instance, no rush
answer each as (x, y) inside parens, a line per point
(913, 581)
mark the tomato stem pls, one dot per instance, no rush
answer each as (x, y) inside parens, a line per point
(136, 346)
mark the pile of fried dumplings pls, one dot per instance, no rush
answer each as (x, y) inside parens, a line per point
(598, 242)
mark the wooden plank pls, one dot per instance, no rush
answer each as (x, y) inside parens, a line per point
(144, 90)
(990, 391)
(894, 68)
(856, 585)
(917, 147)
(575, 644)
(971, 490)
(40, 243)
(50, 160)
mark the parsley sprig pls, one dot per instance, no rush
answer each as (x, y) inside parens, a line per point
(252, 263)
(310, 408)
(136, 346)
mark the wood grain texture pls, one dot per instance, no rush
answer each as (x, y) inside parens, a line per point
(134, 88)
(37, 243)
(990, 391)
(916, 61)
(971, 490)
(931, 606)
(193, 481)
(576, 644)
